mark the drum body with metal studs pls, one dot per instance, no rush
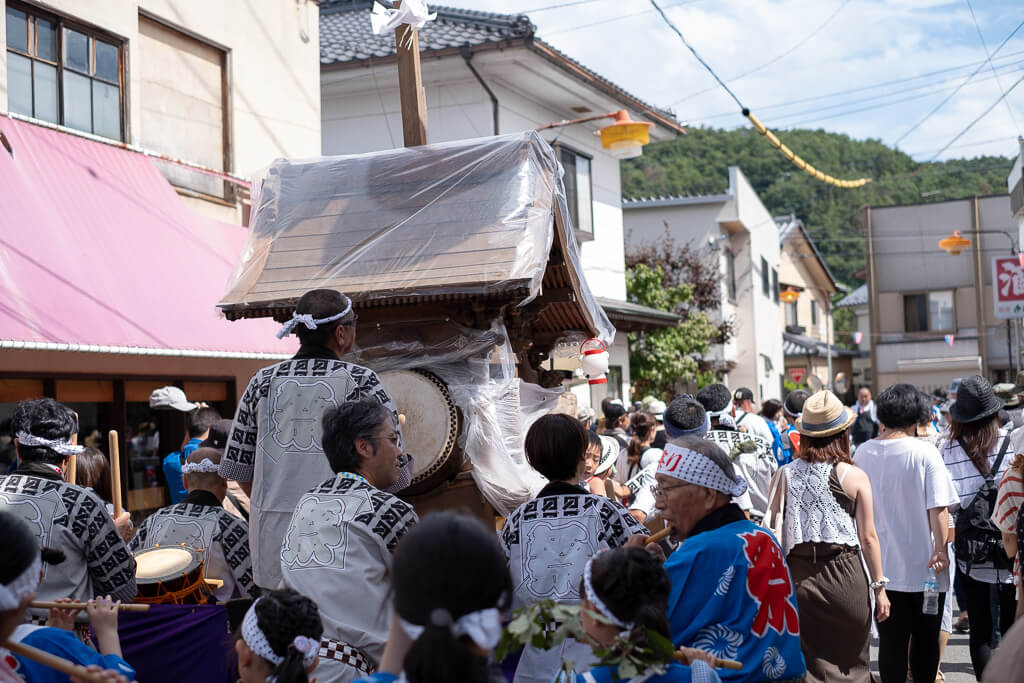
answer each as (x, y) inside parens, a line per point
(430, 428)
(170, 575)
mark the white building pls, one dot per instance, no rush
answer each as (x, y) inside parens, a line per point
(742, 231)
(486, 74)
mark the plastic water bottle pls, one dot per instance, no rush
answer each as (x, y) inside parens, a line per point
(931, 594)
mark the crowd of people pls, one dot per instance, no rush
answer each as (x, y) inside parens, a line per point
(790, 537)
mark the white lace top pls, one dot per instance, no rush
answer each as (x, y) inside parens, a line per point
(812, 514)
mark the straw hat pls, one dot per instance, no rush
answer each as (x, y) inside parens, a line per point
(824, 415)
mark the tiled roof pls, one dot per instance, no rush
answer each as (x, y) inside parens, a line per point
(345, 36)
(345, 33)
(674, 200)
(802, 345)
(858, 297)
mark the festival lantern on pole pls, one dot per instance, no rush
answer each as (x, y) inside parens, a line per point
(594, 359)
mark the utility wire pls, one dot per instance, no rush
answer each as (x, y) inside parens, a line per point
(760, 127)
(980, 117)
(989, 60)
(615, 18)
(773, 60)
(953, 94)
(564, 4)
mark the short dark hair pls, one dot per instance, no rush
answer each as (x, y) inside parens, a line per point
(47, 419)
(555, 445)
(714, 397)
(634, 586)
(899, 406)
(347, 423)
(282, 615)
(613, 412)
(201, 419)
(322, 303)
(795, 401)
(685, 414)
(926, 409)
(593, 440)
(770, 408)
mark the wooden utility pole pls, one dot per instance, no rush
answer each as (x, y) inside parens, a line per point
(410, 84)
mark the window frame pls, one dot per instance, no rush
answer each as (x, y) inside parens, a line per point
(730, 276)
(775, 285)
(766, 285)
(814, 313)
(929, 329)
(61, 23)
(793, 307)
(582, 235)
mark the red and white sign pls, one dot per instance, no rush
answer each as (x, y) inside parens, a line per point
(1008, 287)
(797, 374)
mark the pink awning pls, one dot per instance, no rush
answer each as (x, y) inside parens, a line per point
(97, 250)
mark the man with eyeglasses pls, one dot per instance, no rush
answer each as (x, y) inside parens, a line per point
(275, 450)
(337, 549)
(732, 594)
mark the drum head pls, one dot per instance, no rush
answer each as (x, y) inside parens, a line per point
(431, 419)
(157, 564)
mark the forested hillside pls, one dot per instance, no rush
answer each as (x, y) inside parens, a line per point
(697, 163)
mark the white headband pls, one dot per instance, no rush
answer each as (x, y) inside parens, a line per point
(697, 468)
(483, 627)
(257, 642)
(307, 320)
(724, 418)
(24, 585)
(204, 465)
(591, 595)
(59, 447)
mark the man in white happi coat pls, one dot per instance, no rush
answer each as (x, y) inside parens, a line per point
(201, 522)
(64, 517)
(337, 549)
(275, 450)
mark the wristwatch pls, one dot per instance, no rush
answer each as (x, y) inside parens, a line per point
(875, 585)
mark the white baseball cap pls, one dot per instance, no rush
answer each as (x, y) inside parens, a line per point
(171, 397)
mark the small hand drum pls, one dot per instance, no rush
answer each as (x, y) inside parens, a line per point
(170, 576)
(431, 428)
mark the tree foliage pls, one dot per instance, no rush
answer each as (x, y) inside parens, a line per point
(657, 359)
(698, 163)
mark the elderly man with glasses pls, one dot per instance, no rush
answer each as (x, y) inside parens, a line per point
(732, 594)
(275, 447)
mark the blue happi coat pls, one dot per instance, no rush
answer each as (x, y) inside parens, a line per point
(732, 595)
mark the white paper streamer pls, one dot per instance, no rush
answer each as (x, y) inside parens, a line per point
(411, 12)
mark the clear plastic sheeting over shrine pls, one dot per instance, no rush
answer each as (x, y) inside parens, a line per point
(477, 229)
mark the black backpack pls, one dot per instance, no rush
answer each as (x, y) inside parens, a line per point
(863, 429)
(978, 539)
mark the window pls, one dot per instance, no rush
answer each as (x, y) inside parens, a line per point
(775, 285)
(814, 312)
(63, 74)
(792, 315)
(730, 274)
(928, 312)
(766, 285)
(578, 189)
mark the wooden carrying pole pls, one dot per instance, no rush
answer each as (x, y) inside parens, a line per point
(78, 604)
(54, 662)
(72, 474)
(410, 85)
(115, 473)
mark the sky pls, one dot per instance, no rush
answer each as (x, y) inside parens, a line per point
(867, 68)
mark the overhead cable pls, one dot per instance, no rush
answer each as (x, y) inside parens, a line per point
(760, 127)
(988, 58)
(979, 118)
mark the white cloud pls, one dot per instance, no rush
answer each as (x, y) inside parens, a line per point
(868, 42)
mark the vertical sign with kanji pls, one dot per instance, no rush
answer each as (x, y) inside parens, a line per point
(1008, 287)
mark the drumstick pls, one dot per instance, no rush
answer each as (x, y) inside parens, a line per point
(78, 604)
(55, 662)
(115, 473)
(719, 663)
(658, 535)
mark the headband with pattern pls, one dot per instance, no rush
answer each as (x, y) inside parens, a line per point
(55, 445)
(308, 320)
(697, 468)
(24, 585)
(204, 466)
(257, 642)
(591, 595)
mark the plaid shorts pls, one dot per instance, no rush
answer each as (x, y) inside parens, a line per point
(346, 654)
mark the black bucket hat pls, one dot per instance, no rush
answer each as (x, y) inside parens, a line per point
(975, 400)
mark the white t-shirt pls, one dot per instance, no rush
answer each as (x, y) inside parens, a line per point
(968, 480)
(754, 424)
(907, 479)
